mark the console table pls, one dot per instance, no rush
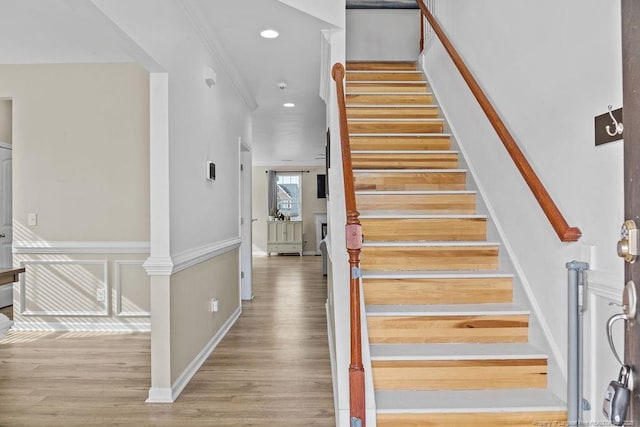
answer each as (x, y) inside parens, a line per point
(10, 275)
(284, 237)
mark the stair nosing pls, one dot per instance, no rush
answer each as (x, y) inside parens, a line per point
(399, 135)
(413, 192)
(470, 401)
(383, 82)
(455, 351)
(391, 93)
(434, 274)
(420, 216)
(409, 170)
(392, 106)
(442, 310)
(397, 120)
(428, 243)
(405, 152)
(385, 71)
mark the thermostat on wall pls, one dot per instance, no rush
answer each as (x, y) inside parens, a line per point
(211, 171)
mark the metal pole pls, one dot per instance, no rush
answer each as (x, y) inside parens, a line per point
(574, 356)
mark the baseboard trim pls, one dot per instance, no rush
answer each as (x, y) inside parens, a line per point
(333, 361)
(195, 256)
(160, 395)
(157, 395)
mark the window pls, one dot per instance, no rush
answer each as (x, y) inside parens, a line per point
(284, 194)
(289, 194)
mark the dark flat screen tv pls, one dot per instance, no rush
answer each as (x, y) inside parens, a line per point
(321, 187)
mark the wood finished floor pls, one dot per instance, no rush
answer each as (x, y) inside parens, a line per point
(272, 369)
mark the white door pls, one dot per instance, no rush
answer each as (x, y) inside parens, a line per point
(6, 259)
(246, 288)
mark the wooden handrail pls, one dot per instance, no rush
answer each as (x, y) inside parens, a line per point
(553, 214)
(354, 245)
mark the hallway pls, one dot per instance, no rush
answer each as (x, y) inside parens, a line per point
(271, 369)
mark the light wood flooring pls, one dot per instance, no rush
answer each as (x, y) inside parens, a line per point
(272, 368)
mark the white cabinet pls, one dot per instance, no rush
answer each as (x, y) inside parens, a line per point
(284, 237)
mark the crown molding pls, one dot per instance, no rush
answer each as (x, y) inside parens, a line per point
(195, 16)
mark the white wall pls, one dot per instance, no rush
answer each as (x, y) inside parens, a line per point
(81, 163)
(310, 205)
(548, 68)
(388, 35)
(5, 121)
(331, 11)
(203, 217)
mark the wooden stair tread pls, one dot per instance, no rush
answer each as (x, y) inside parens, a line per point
(365, 72)
(439, 310)
(429, 274)
(404, 152)
(416, 215)
(394, 120)
(386, 106)
(481, 351)
(380, 65)
(428, 244)
(468, 401)
(394, 171)
(446, 310)
(391, 94)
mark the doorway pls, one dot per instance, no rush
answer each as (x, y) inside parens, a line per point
(6, 258)
(6, 230)
(246, 266)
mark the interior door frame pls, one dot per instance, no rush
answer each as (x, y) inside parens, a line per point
(631, 103)
(246, 265)
(6, 291)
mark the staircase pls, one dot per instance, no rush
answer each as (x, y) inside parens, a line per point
(448, 346)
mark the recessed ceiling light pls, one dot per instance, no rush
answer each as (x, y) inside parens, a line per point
(289, 104)
(269, 33)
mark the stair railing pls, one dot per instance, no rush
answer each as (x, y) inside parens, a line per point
(553, 214)
(354, 245)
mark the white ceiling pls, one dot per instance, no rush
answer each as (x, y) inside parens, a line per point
(279, 134)
(73, 31)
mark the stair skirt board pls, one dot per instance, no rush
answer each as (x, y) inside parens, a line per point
(448, 346)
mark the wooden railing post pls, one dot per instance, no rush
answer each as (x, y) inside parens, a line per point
(354, 245)
(553, 214)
